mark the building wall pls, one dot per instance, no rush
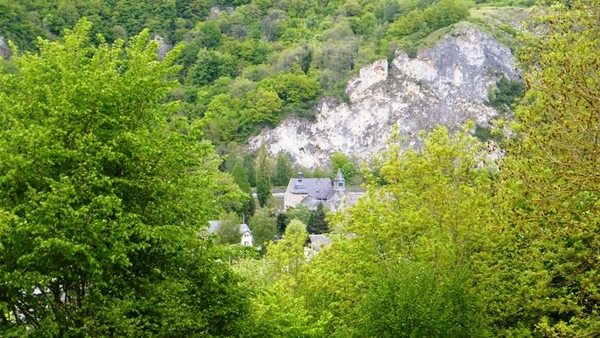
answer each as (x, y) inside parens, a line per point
(292, 200)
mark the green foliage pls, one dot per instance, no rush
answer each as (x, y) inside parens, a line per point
(415, 299)
(418, 23)
(250, 166)
(341, 161)
(505, 94)
(550, 180)
(263, 227)
(301, 212)
(209, 66)
(106, 198)
(428, 221)
(229, 229)
(281, 222)
(241, 179)
(283, 170)
(263, 177)
(209, 34)
(316, 222)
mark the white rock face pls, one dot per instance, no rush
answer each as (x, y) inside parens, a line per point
(445, 85)
(163, 46)
(5, 51)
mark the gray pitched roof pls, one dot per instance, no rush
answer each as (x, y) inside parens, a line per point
(319, 188)
(312, 203)
(244, 228)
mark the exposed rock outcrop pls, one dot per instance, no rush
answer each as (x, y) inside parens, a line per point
(5, 51)
(163, 46)
(447, 84)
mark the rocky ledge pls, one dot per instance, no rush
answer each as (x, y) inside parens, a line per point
(447, 84)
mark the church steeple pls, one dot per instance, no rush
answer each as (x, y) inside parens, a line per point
(339, 183)
(299, 186)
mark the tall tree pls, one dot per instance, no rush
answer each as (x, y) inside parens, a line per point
(410, 246)
(552, 180)
(241, 179)
(317, 223)
(263, 177)
(283, 170)
(263, 227)
(105, 198)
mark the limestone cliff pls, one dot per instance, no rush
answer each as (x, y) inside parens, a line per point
(5, 51)
(447, 84)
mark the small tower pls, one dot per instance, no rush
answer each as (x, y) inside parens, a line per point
(339, 183)
(299, 186)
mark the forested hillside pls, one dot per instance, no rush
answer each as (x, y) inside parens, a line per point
(247, 64)
(110, 172)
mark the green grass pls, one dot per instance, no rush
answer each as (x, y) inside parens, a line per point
(502, 22)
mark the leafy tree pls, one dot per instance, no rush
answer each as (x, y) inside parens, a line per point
(428, 222)
(295, 87)
(209, 66)
(209, 34)
(250, 165)
(287, 255)
(316, 222)
(386, 10)
(340, 161)
(265, 108)
(301, 212)
(229, 229)
(281, 222)
(551, 180)
(263, 180)
(505, 94)
(283, 170)
(445, 13)
(106, 198)
(263, 227)
(278, 310)
(241, 179)
(416, 299)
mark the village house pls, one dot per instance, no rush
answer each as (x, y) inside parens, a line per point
(313, 191)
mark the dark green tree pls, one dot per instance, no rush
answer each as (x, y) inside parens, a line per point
(249, 161)
(209, 66)
(263, 180)
(281, 223)
(241, 179)
(104, 199)
(316, 222)
(283, 170)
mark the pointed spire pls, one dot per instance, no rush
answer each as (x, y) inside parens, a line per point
(339, 176)
(339, 183)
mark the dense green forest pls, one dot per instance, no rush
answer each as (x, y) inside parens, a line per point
(110, 171)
